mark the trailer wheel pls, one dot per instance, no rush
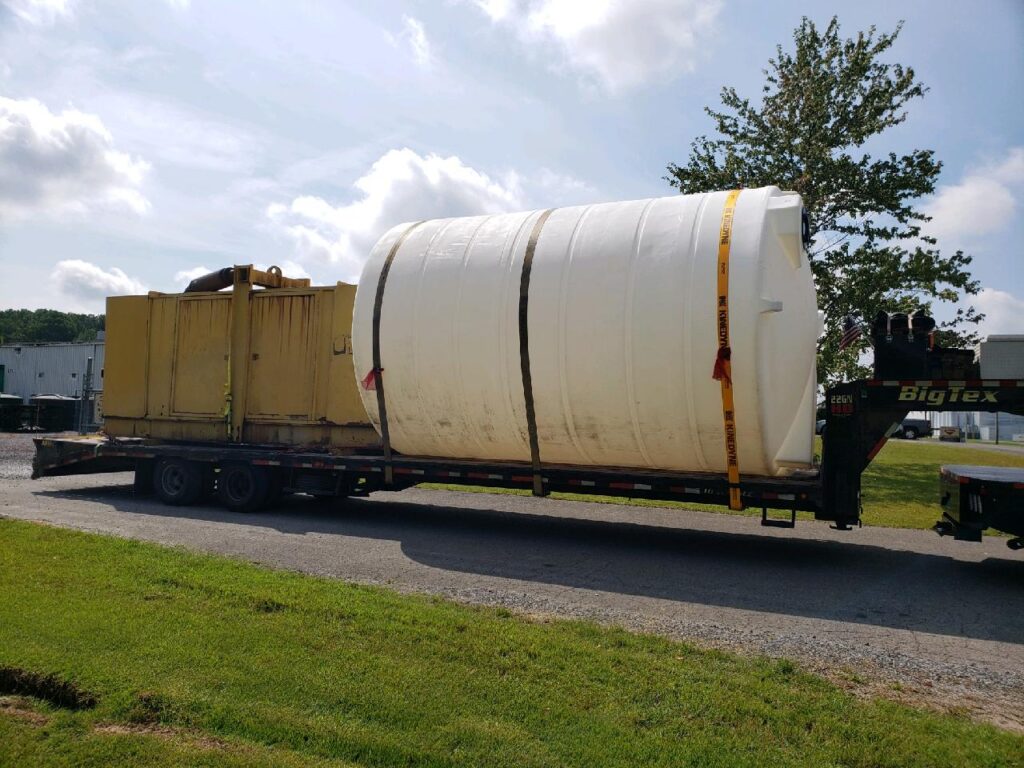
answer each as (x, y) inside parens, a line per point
(243, 487)
(177, 482)
(910, 433)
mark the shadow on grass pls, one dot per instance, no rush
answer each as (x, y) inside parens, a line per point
(48, 687)
(838, 580)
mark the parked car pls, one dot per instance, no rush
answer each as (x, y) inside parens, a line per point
(951, 434)
(819, 427)
(911, 429)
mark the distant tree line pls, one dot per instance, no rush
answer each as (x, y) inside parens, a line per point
(40, 325)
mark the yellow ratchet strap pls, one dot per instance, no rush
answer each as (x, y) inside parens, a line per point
(723, 362)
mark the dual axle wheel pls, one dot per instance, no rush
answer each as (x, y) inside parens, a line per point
(241, 487)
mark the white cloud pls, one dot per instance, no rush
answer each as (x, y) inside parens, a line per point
(54, 161)
(47, 12)
(401, 186)
(86, 281)
(558, 189)
(171, 133)
(982, 203)
(289, 268)
(416, 37)
(1004, 312)
(186, 276)
(41, 12)
(619, 44)
(498, 10)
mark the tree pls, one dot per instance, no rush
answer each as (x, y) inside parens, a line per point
(820, 105)
(47, 325)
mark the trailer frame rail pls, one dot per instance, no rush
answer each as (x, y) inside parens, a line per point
(795, 493)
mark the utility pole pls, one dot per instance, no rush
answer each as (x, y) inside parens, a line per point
(84, 421)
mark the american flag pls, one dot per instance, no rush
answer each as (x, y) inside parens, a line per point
(852, 329)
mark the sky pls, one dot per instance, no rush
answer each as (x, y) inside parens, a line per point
(143, 142)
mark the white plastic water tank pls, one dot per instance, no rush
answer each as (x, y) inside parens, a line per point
(622, 335)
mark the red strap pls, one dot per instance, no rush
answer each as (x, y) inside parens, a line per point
(721, 365)
(370, 379)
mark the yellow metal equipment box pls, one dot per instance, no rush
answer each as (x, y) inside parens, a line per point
(269, 366)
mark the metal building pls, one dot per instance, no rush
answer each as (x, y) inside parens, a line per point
(981, 425)
(49, 369)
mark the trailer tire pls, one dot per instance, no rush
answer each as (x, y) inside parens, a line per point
(177, 482)
(243, 487)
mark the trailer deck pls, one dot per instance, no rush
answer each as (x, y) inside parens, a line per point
(976, 498)
(363, 473)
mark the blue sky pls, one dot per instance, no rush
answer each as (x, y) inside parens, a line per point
(143, 141)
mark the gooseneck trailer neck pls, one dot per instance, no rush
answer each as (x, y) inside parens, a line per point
(862, 415)
(911, 373)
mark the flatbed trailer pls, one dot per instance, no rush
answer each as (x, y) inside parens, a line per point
(861, 416)
(357, 474)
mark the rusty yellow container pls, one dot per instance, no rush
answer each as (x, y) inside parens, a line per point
(268, 362)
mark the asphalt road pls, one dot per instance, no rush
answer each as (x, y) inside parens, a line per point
(869, 608)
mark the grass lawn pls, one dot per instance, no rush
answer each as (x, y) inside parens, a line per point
(900, 488)
(202, 660)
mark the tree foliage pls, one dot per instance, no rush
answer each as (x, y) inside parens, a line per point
(42, 325)
(820, 106)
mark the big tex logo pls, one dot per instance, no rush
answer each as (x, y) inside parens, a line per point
(943, 396)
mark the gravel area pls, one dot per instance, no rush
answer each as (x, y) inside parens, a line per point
(899, 613)
(16, 451)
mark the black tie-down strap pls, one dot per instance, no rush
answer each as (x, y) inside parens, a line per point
(378, 371)
(524, 353)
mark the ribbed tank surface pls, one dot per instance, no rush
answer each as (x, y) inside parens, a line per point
(621, 320)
